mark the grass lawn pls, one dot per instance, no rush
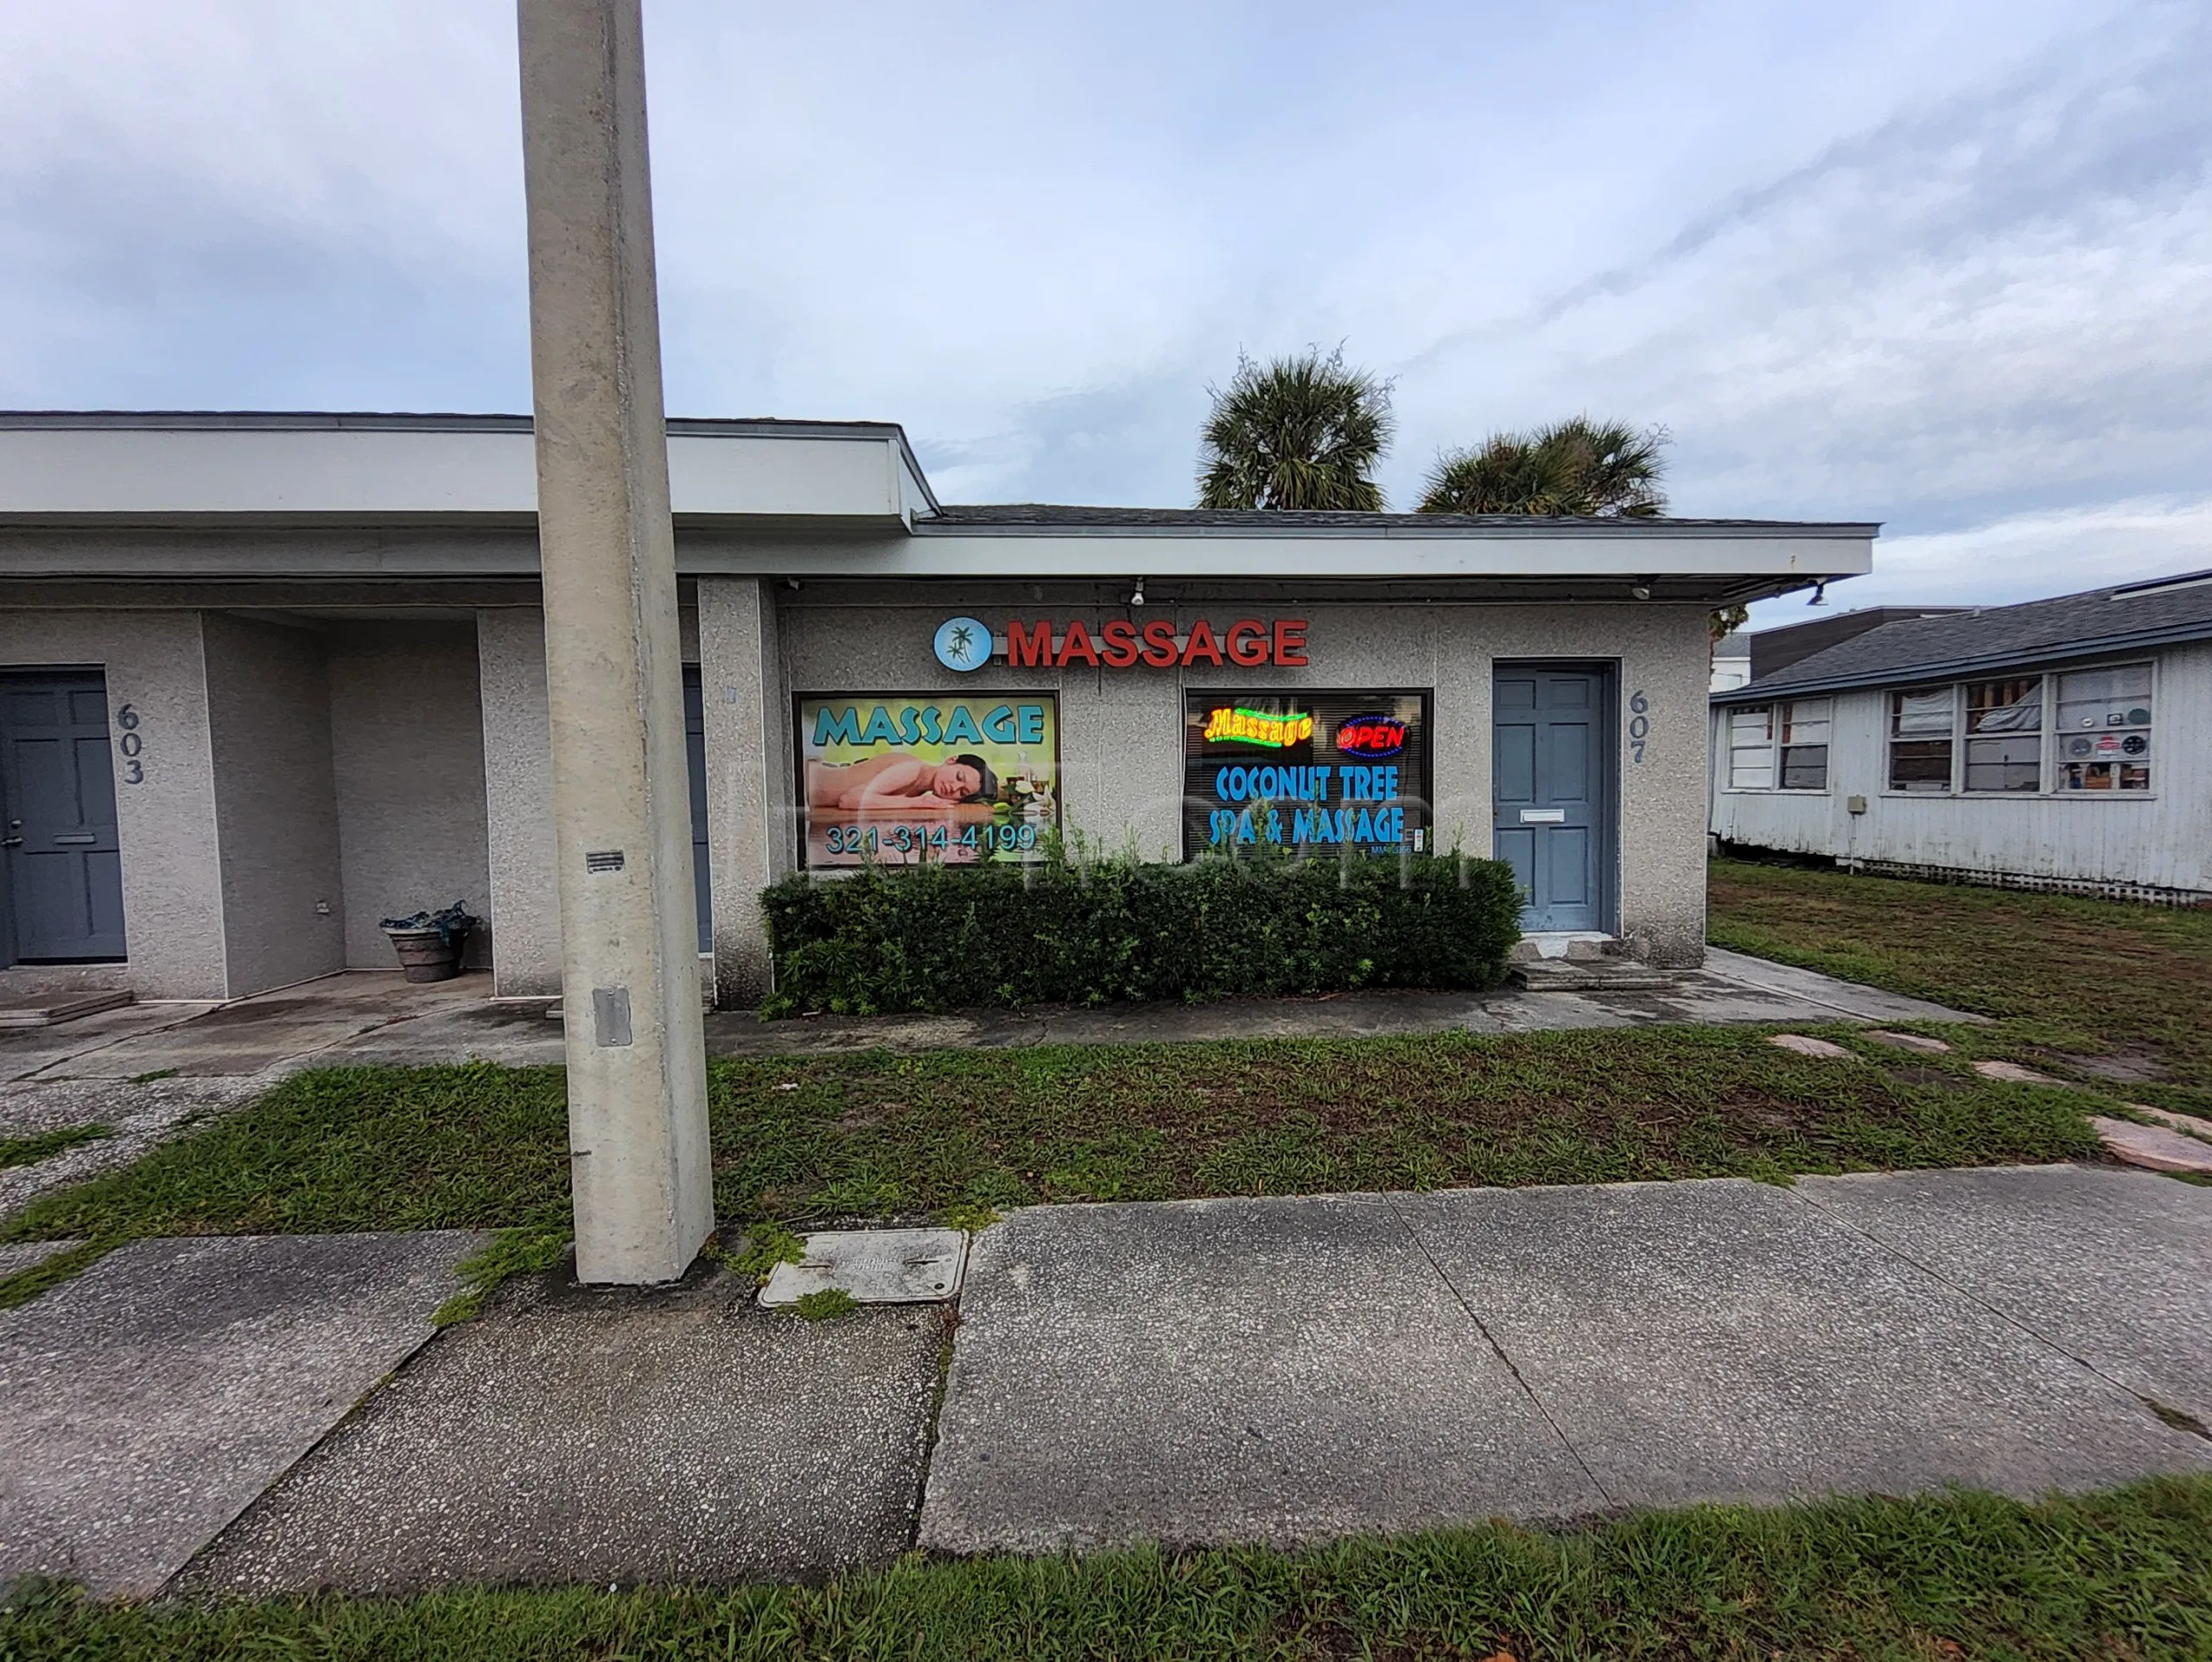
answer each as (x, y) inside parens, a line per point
(2123, 1575)
(2113, 996)
(2126, 990)
(811, 1140)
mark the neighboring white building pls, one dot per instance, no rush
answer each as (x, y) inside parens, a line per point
(1731, 661)
(2065, 743)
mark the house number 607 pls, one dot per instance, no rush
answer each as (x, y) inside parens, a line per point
(1639, 722)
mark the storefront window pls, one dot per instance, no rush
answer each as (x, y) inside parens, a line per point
(1921, 722)
(1751, 749)
(1804, 733)
(2103, 736)
(890, 778)
(2004, 734)
(1309, 772)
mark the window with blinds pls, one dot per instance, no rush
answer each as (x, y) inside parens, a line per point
(1923, 724)
(2004, 734)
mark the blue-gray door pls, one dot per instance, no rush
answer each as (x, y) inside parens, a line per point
(1551, 793)
(695, 755)
(57, 795)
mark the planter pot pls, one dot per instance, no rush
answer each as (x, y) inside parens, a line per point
(426, 954)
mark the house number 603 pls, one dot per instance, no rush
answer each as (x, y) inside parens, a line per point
(131, 744)
(1639, 724)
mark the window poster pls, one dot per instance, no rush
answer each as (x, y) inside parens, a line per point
(898, 779)
(1317, 771)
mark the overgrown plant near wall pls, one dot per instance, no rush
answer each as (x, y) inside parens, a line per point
(937, 938)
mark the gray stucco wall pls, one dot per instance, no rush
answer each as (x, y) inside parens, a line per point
(748, 752)
(518, 749)
(407, 746)
(276, 802)
(172, 885)
(1121, 730)
(518, 800)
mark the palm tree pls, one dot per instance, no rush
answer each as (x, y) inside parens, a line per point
(1302, 432)
(1575, 466)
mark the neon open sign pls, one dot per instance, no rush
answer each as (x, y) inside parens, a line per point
(1257, 727)
(1371, 735)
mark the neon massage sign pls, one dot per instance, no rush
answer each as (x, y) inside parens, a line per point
(1235, 726)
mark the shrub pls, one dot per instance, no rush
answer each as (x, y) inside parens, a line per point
(936, 938)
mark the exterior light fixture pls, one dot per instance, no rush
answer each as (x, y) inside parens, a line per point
(1641, 591)
(1137, 596)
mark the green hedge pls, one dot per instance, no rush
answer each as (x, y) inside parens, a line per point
(937, 938)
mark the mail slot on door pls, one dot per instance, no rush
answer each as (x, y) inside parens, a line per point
(1543, 816)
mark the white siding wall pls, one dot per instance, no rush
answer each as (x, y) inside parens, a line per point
(2161, 839)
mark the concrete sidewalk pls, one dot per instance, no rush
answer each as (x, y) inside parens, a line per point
(1289, 1370)
(1220, 1371)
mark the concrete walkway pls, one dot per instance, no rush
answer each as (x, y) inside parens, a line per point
(152, 1398)
(1279, 1370)
(365, 1017)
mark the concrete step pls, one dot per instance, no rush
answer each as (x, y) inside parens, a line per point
(47, 1008)
(1590, 975)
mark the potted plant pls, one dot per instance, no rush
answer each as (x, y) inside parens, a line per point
(429, 944)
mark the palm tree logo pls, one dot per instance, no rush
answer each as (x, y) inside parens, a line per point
(963, 643)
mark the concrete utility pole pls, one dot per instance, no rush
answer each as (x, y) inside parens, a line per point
(638, 1160)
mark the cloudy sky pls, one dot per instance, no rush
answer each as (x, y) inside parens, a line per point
(1947, 265)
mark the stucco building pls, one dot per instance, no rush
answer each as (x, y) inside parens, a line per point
(269, 678)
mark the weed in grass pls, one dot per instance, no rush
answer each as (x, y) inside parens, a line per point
(44, 1145)
(968, 1217)
(526, 1250)
(157, 1073)
(766, 1246)
(824, 1305)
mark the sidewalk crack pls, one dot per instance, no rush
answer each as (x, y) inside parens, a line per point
(1498, 1350)
(2156, 1409)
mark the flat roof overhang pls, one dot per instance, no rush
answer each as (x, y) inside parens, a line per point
(258, 496)
(1712, 569)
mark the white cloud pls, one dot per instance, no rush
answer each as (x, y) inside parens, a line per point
(1940, 265)
(2027, 556)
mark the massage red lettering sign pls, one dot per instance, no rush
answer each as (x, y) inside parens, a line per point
(1123, 644)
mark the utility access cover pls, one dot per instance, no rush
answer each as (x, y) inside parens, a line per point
(876, 1266)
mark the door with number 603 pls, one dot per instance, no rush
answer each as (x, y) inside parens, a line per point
(57, 776)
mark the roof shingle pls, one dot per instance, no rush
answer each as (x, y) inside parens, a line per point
(2161, 612)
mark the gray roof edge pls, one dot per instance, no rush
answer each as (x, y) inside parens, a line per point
(950, 523)
(404, 421)
(1952, 668)
(401, 421)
